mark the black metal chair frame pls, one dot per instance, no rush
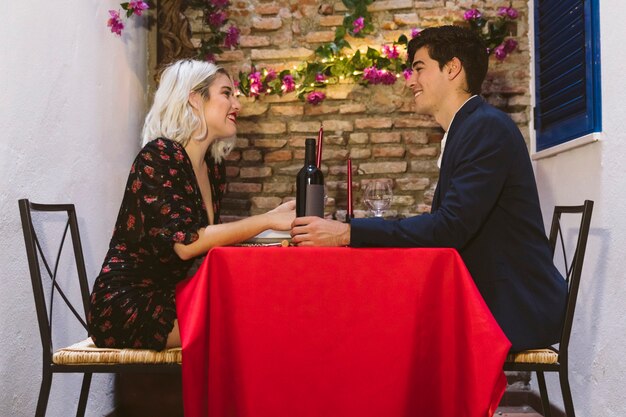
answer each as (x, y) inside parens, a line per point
(573, 273)
(44, 312)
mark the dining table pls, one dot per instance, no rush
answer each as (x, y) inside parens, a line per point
(324, 332)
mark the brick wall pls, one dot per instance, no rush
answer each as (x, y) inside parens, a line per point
(374, 125)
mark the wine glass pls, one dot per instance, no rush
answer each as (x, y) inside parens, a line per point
(378, 196)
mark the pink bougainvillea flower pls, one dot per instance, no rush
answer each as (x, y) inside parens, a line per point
(500, 52)
(387, 77)
(216, 19)
(415, 32)
(358, 25)
(391, 52)
(220, 4)
(138, 6)
(510, 45)
(509, 12)
(319, 77)
(372, 75)
(115, 22)
(270, 76)
(209, 57)
(255, 76)
(288, 84)
(407, 73)
(232, 37)
(255, 83)
(315, 97)
(472, 14)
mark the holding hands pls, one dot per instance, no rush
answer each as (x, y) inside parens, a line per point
(315, 231)
(282, 216)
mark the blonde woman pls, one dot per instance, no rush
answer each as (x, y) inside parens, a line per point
(170, 211)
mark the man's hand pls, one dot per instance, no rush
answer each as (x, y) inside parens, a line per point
(315, 231)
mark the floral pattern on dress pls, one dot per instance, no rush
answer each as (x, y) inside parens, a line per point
(132, 302)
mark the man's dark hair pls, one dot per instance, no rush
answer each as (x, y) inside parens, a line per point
(446, 42)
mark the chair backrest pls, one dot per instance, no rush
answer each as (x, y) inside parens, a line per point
(573, 267)
(48, 281)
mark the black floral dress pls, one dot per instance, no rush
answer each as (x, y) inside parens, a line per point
(132, 302)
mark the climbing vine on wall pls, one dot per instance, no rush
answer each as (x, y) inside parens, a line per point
(333, 62)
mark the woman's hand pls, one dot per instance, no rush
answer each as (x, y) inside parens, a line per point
(234, 232)
(285, 207)
(282, 216)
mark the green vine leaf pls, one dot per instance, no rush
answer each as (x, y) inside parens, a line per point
(336, 61)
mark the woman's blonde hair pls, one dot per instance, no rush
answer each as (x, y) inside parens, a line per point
(172, 115)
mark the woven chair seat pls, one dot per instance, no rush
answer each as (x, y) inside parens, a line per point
(86, 353)
(546, 356)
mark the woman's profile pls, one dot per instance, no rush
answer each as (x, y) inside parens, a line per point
(169, 215)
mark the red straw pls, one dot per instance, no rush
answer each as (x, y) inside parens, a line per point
(320, 139)
(350, 209)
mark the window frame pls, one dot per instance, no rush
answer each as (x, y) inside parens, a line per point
(586, 126)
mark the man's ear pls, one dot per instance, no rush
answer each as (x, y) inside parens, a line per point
(195, 100)
(453, 68)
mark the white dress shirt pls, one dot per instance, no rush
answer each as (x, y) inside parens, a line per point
(445, 135)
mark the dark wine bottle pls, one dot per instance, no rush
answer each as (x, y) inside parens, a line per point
(310, 185)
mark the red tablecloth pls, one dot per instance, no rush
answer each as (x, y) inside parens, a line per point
(324, 332)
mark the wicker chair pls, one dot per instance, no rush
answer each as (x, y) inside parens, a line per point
(82, 357)
(553, 359)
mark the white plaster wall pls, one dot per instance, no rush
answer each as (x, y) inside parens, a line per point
(598, 172)
(72, 100)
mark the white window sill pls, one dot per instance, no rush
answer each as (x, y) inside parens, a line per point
(563, 147)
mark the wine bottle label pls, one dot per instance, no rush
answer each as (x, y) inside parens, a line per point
(314, 200)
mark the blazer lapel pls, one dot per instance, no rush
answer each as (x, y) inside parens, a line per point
(462, 114)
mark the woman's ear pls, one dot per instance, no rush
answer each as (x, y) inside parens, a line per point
(195, 100)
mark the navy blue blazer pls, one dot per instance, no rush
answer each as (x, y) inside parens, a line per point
(486, 206)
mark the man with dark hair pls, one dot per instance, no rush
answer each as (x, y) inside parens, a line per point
(446, 42)
(486, 203)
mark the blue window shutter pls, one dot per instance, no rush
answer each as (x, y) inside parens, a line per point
(567, 70)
